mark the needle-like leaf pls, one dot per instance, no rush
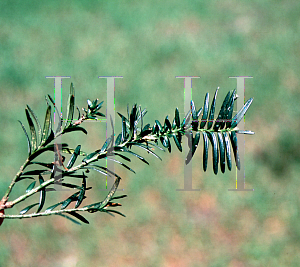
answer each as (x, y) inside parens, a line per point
(70, 107)
(177, 118)
(78, 216)
(124, 149)
(30, 187)
(47, 124)
(69, 218)
(42, 195)
(205, 111)
(37, 123)
(215, 152)
(74, 128)
(53, 207)
(237, 118)
(219, 124)
(145, 148)
(195, 121)
(111, 193)
(205, 150)
(228, 153)
(81, 193)
(58, 129)
(212, 111)
(195, 143)
(67, 202)
(168, 125)
(23, 211)
(74, 157)
(28, 141)
(177, 142)
(235, 148)
(32, 130)
(106, 144)
(230, 109)
(122, 164)
(222, 152)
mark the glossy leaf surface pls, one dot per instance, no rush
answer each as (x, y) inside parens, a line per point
(212, 111)
(42, 195)
(23, 211)
(205, 111)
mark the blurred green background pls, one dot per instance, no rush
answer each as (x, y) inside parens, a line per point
(149, 43)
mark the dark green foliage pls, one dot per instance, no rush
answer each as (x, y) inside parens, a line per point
(237, 118)
(205, 150)
(215, 152)
(177, 118)
(205, 111)
(74, 156)
(69, 218)
(74, 128)
(220, 133)
(222, 152)
(42, 195)
(212, 111)
(32, 130)
(228, 153)
(145, 147)
(177, 141)
(28, 142)
(23, 178)
(30, 187)
(124, 149)
(44, 149)
(195, 142)
(23, 211)
(47, 125)
(81, 193)
(234, 143)
(70, 199)
(106, 144)
(217, 133)
(92, 110)
(78, 216)
(70, 107)
(53, 207)
(219, 124)
(58, 129)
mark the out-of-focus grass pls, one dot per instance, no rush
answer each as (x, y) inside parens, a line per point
(149, 43)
